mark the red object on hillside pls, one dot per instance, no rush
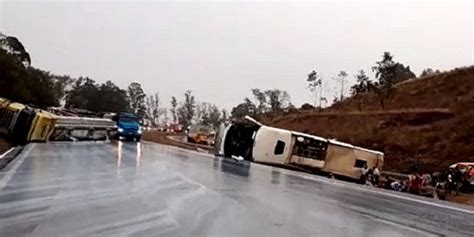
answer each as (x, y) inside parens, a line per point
(176, 127)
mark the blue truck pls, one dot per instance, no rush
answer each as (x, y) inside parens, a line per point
(128, 126)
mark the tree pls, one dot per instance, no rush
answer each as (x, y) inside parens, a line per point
(214, 116)
(153, 109)
(27, 84)
(87, 94)
(83, 95)
(429, 72)
(60, 86)
(13, 79)
(325, 101)
(202, 113)
(14, 47)
(261, 100)
(277, 99)
(403, 73)
(187, 109)
(266, 101)
(112, 98)
(385, 72)
(23, 83)
(208, 114)
(224, 115)
(363, 84)
(137, 98)
(306, 106)
(314, 81)
(46, 89)
(181, 116)
(341, 79)
(245, 108)
(388, 73)
(174, 106)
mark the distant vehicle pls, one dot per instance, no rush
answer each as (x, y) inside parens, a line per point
(201, 134)
(254, 141)
(175, 127)
(128, 126)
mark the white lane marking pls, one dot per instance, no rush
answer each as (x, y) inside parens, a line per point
(6, 153)
(401, 226)
(16, 164)
(81, 142)
(202, 186)
(336, 182)
(384, 192)
(471, 212)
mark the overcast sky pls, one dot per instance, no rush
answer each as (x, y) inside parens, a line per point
(222, 50)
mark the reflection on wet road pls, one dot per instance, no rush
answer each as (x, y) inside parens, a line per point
(116, 189)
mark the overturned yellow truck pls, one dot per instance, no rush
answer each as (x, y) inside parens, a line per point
(23, 124)
(256, 142)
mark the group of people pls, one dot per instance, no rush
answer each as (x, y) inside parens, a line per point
(457, 177)
(370, 176)
(414, 183)
(438, 184)
(453, 178)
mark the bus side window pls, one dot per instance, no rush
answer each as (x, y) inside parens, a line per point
(360, 163)
(279, 148)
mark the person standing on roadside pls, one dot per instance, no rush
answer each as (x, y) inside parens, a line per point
(457, 178)
(376, 175)
(449, 181)
(363, 173)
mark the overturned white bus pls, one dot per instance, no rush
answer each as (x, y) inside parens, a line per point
(254, 141)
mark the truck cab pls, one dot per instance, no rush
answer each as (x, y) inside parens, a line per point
(128, 126)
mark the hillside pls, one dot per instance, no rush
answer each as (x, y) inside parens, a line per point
(427, 122)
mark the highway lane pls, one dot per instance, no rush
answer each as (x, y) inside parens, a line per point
(122, 189)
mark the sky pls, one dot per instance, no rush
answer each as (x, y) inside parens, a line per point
(220, 50)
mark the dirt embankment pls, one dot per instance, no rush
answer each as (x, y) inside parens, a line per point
(155, 136)
(426, 123)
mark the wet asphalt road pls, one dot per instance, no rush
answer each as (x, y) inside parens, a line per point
(110, 189)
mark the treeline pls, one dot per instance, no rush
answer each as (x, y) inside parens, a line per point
(21, 82)
(388, 73)
(263, 102)
(189, 111)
